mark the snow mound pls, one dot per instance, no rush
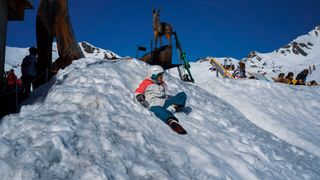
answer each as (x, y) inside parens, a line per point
(88, 126)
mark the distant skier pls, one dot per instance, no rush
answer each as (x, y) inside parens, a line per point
(240, 72)
(151, 94)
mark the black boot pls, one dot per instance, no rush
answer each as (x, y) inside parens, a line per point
(176, 126)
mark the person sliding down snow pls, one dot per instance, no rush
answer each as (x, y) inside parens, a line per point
(151, 94)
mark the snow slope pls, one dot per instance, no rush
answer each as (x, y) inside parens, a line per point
(271, 106)
(86, 125)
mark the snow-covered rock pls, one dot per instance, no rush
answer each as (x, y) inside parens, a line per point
(91, 51)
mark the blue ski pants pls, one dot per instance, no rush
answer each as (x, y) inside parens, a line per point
(161, 111)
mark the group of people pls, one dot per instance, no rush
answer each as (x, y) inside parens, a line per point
(240, 72)
(29, 73)
(299, 80)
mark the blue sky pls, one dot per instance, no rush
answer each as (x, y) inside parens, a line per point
(218, 28)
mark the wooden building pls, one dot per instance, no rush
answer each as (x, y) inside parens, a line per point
(10, 10)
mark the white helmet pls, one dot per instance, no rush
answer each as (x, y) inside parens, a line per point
(154, 71)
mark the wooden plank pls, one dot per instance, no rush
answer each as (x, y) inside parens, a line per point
(160, 56)
(221, 69)
(17, 7)
(29, 4)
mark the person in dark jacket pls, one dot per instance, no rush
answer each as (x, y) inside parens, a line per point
(29, 69)
(302, 76)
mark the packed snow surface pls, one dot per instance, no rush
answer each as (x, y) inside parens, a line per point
(85, 124)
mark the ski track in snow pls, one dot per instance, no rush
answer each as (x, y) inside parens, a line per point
(89, 127)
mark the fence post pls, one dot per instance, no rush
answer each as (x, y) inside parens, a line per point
(17, 95)
(3, 38)
(47, 75)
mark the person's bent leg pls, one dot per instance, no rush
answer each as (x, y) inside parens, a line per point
(179, 99)
(163, 114)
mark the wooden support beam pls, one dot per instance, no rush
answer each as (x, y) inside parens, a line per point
(53, 21)
(3, 38)
(16, 9)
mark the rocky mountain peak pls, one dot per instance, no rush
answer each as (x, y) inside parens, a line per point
(92, 51)
(88, 48)
(298, 48)
(302, 45)
(251, 55)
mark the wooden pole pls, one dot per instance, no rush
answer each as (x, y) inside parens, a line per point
(53, 21)
(3, 38)
(137, 52)
(151, 43)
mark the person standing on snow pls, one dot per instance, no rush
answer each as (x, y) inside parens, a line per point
(151, 94)
(29, 69)
(240, 72)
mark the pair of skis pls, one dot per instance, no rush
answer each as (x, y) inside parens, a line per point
(183, 60)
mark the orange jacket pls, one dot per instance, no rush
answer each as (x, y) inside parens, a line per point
(143, 86)
(11, 79)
